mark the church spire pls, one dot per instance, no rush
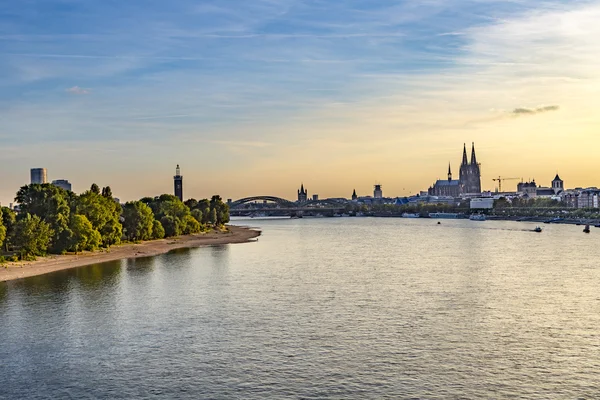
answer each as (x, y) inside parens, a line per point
(449, 173)
(473, 158)
(464, 161)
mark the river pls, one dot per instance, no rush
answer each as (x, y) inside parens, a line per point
(319, 308)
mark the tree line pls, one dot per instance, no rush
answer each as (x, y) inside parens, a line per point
(53, 220)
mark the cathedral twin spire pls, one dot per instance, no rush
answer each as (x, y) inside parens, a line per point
(473, 157)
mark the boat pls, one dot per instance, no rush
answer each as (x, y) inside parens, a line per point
(411, 215)
(477, 217)
(586, 229)
(443, 215)
(537, 229)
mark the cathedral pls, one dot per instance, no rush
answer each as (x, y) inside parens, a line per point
(469, 181)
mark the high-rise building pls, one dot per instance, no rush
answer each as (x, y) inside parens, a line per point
(302, 194)
(178, 181)
(63, 184)
(377, 192)
(39, 175)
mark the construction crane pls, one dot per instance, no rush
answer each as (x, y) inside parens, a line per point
(500, 179)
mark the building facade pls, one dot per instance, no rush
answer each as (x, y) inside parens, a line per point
(39, 176)
(63, 184)
(178, 183)
(558, 185)
(469, 181)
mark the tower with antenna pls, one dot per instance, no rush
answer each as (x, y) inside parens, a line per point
(178, 183)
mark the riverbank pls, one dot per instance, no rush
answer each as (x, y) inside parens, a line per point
(44, 265)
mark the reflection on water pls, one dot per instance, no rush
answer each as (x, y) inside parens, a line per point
(338, 308)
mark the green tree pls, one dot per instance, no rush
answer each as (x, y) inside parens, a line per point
(158, 232)
(190, 225)
(171, 226)
(213, 216)
(191, 203)
(197, 214)
(31, 236)
(138, 221)
(84, 236)
(104, 213)
(9, 218)
(2, 230)
(94, 188)
(51, 204)
(107, 192)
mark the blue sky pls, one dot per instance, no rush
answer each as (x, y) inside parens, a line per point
(253, 97)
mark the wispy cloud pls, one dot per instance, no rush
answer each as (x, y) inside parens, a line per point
(77, 90)
(533, 111)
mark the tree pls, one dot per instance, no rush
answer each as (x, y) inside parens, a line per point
(171, 226)
(107, 192)
(138, 221)
(191, 203)
(50, 203)
(31, 236)
(9, 218)
(2, 230)
(84, 236)
(197, 214)
(213, 216)
(104, 213)
(94, 188)
(190, 225)
(158, 232)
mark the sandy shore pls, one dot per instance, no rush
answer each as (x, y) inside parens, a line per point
(44, 265)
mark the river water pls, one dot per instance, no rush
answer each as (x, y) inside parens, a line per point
(319, 308)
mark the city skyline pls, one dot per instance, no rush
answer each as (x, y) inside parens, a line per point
(257, 98)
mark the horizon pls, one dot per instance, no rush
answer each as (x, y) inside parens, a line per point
(255, 99)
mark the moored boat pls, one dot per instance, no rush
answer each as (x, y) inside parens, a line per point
(477, 217)
(411, 215)
(443, 215)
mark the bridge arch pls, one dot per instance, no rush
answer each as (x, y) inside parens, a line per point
(278, 200)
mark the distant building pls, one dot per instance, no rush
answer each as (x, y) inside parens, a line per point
(482, 203)
(178, 183)
(315, 197)
(527, 189)
(377, 192)
(302, 194)
(354, 196)
(469, 181)
(39, 176)
(63, 184)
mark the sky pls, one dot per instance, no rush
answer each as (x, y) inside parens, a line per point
(257, 97)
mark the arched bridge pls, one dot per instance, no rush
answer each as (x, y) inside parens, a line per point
(278, 200)
(283, 203)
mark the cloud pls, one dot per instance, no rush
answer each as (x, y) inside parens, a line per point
(77, 90)
(532, 111)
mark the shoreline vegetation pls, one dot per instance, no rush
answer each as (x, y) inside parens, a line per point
(43, 265)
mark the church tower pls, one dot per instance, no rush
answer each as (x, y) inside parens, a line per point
(475, 173)
(558, 185)
(449, 173)
(354, 196)
(178, 182)
(302, 194)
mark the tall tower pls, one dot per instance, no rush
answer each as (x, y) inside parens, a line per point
(449, 173)
(377, 192)
(302, 194)
(178, 181)
(475, 173)
(39, 175)
(354, 196)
